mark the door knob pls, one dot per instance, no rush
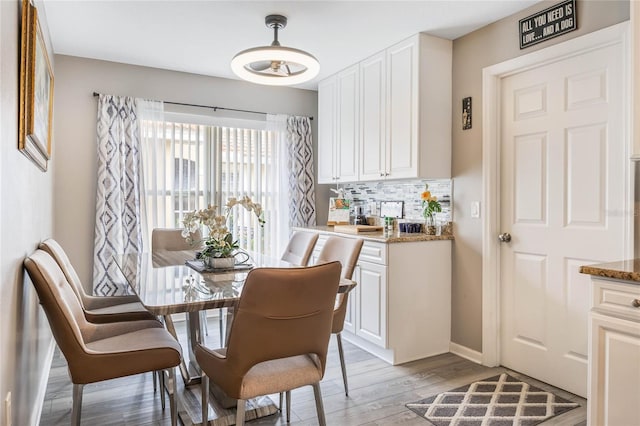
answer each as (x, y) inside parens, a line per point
(504, 237)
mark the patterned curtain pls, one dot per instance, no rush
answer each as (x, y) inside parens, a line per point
(118, 199)
(302, 198)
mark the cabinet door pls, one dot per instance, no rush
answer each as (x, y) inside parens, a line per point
(403, 95)
(373, 104)
(327, 116)
(350, 317)
(371, 306)
(614, 380)
(347, 124)
(634, 12)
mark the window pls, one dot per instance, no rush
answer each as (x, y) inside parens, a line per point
(189, 166)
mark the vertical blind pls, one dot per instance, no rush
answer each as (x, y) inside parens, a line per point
(191, 166)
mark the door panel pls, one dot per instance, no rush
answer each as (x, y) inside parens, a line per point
(586, 168)
(530, 191)
(562, 180)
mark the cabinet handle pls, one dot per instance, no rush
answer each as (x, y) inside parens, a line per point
(635, 303)
(386, 174)
(381, 174)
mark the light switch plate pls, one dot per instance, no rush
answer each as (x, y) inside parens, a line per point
(373, 208)
(475, 209)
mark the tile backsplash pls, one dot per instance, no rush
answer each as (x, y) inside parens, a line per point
(409, 191)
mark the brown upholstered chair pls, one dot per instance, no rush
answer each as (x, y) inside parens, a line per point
(97, 352)
(171, 239)
(97, 309)
(300, 247)
(101, 309)
(279, 336)
(347, 252)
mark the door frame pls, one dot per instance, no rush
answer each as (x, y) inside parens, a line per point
(491, 128)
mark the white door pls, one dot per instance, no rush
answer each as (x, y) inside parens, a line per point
(562, 202)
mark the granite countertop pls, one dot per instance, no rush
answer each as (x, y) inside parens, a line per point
(628, 270)
(382, 237)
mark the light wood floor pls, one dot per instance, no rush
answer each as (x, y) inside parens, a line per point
(378, 392)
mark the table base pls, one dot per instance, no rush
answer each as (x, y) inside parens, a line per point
(190, 409)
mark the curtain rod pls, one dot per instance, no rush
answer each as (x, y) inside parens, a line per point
(214, 108)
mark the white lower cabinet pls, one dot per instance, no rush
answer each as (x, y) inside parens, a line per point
(614, 354)
(370, 303)
(400, 310)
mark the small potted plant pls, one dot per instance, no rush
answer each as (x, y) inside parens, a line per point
(219, 245)
(430, 206)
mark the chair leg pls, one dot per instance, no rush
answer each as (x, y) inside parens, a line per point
(319, 407)
(155, 381)
(342, 364)
(288, 398)
(280, 404)
(203, 320)
(173, 395)
(162, 388)
(77, 404)
(204, 389)
(240, 412)
(221, 316)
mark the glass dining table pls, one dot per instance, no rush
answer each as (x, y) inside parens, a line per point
(172, 282)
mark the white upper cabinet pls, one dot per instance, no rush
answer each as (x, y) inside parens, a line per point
(338, 132)
(348, 129)
(401, 114)
(327, 113)
(419, 108)
(373, 117)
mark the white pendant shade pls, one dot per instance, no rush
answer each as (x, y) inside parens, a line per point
(309, 65)
(275, 65)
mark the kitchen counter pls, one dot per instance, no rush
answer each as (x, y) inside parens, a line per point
(400, 310)
(627, 270)
(382, 237)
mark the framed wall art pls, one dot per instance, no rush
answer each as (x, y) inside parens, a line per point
(36, 91)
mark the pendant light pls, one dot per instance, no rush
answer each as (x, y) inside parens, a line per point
(275, 65)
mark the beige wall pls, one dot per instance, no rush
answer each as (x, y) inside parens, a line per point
(75, 130)
(490, 45)
(25, 220)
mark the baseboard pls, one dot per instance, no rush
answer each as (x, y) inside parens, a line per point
(384, 354)
(465, 352)
(42, 386)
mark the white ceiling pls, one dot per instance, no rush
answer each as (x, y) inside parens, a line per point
(202, 36)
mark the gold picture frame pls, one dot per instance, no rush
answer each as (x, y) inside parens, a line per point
(36, 91)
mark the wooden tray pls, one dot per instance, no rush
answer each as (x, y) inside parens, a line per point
(357, 229)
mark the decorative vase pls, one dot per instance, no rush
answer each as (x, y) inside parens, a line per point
(220, 262)
(430, 226)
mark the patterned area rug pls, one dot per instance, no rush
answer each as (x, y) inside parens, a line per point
(497, 401)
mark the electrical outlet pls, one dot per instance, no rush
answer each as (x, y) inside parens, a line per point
(373, 208)
(7, 409)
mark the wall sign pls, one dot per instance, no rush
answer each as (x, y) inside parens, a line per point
(466, 113)
(551, 22)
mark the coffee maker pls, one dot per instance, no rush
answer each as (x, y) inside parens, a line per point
(358, 217)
